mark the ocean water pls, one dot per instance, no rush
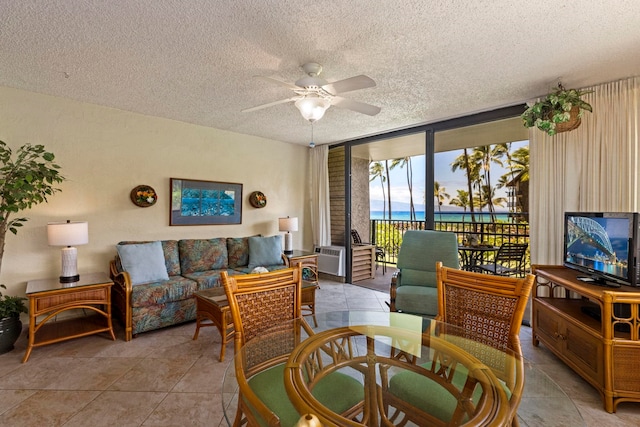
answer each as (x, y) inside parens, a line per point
(444, 216)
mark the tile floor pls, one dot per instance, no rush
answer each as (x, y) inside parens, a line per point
(164, 378)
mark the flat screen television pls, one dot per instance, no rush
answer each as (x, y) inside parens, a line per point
(603, 246)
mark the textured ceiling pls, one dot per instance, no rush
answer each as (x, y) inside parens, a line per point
(196, 60)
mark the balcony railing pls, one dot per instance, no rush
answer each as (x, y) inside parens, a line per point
(387, 234)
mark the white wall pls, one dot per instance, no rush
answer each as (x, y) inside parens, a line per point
(104, 153)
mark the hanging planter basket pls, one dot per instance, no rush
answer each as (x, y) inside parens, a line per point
(573, 122)
(560, 111)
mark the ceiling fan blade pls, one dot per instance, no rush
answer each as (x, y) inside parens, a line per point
(360, 107)
(279, 82)
(271, 104)
(347, 85)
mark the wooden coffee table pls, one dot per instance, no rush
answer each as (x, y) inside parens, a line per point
(212, 305)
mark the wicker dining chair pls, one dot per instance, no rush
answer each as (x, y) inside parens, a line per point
(489, 309)
(258, 304)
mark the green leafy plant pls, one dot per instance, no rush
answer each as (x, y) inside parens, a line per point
(25, 181)
(11, 306)
(555, 109)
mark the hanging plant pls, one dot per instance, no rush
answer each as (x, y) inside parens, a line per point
(560, 111)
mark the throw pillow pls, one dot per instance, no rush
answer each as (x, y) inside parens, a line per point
(265, 251)
(144, 262)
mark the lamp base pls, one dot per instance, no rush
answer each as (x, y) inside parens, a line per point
(288, 243)
(69, 279)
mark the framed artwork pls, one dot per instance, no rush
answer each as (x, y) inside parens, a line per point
(205, 202)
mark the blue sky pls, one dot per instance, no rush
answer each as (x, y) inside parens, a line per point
(449, 180)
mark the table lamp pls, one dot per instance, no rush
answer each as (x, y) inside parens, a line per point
(68, 234)
(288, 225)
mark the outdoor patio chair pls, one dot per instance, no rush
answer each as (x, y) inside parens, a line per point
(413, 285)
(509, 261)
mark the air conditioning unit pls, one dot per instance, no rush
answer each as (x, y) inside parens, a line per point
(331, 260)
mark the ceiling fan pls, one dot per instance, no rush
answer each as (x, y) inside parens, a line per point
(313, 95)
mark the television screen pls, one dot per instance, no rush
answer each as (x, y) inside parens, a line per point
(600, 244)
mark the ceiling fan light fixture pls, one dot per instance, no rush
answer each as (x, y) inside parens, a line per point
(312, 108)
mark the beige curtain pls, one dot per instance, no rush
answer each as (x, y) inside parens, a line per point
(319, 183)
(593, 168)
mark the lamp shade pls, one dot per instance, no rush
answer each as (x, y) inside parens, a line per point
(288, 224)
(312, 108)
(68, 233)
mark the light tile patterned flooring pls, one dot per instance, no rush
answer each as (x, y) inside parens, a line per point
(164, 378)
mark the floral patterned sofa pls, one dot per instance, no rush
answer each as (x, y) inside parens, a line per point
(154, 282)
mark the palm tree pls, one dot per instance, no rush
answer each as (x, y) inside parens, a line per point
(489, 197)
(463, 162)
(376, 170)
(462, 200)
(440, 193)
(485, 156)
(402, 162)
(386, 169)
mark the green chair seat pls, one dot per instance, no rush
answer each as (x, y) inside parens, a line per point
(430, 397)
(337, 391)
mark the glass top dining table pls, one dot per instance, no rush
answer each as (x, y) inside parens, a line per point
(374, 347)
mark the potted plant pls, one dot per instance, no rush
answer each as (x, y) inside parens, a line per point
(10, 324)
(560, 111)
(25, 180)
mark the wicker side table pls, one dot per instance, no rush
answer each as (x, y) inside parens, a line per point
(212, 305)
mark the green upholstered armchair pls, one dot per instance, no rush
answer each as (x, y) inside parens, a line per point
(413, 285)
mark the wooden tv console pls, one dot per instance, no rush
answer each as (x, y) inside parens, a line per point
(604, 352)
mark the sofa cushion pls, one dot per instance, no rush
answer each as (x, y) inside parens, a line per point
(144, 262)
(264, 251)
(207, 279)
(202, 254)
(177, 288)
(238, 251)
(171, 257)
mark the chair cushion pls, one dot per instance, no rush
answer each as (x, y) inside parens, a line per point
(264, 251)
(411, 277)
(337, 391)
(421, 249)
(203, 254)
(421, 300)
(144, 262)
(427, 395)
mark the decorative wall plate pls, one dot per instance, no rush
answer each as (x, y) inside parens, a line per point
(258, 199)
(143, 196)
